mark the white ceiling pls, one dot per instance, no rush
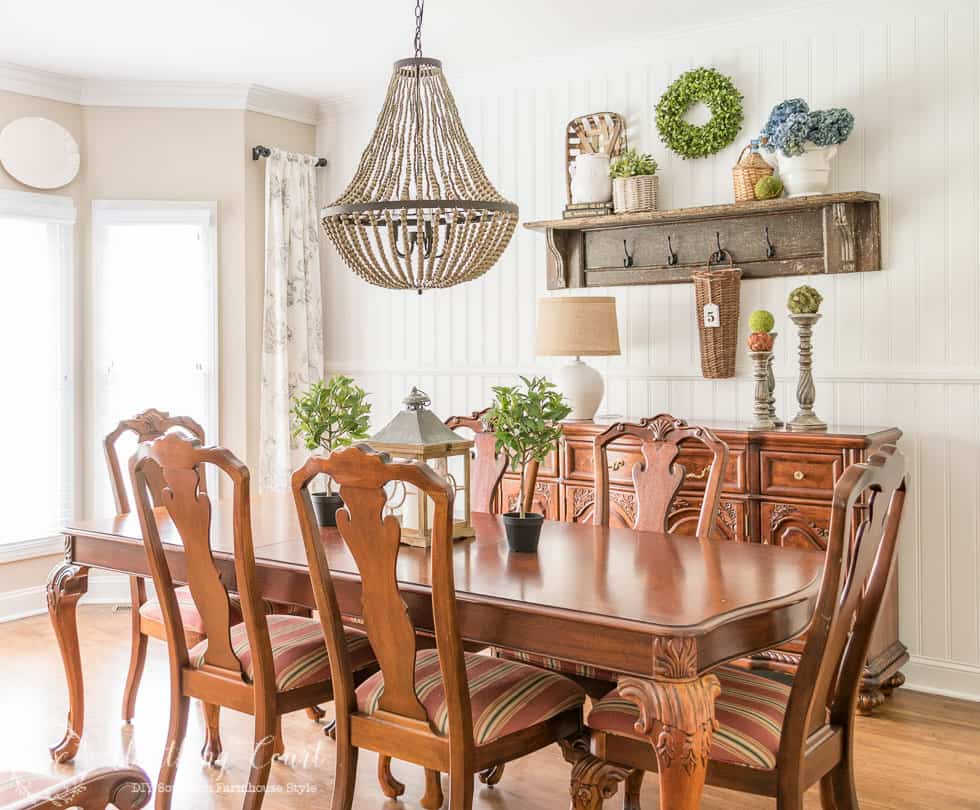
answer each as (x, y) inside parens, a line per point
(321, 49)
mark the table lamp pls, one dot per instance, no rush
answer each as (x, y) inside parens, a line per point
(578, 326)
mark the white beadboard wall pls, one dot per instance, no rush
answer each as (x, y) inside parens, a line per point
(898, 347)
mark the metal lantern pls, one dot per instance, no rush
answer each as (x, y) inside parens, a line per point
(420, 212)
(418, 434)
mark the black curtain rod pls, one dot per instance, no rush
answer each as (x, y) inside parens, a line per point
(265, 151)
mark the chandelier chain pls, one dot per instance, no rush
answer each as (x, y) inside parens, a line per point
(419, 10)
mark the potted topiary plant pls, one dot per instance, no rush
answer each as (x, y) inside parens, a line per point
(328, 416)
(526, 421)
(634, 182)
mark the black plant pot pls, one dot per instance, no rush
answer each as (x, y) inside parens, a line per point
(326, 505)
(523, 533)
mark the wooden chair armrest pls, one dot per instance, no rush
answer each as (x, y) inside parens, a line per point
(126, 788)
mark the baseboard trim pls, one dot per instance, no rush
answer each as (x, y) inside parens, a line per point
(104, 588)
(945, 678)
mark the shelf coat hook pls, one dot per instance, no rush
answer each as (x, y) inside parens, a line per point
(671, 254)
(770, 247)
(627, 256)
(719, 255)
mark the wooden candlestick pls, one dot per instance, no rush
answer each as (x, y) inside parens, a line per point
(760, 373)
(771, 379)
(806, 392)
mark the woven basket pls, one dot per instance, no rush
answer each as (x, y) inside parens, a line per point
(635, 193)
(718, 343)
(747, 172)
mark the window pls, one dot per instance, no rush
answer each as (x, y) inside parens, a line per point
(154, 319)
(36, 366)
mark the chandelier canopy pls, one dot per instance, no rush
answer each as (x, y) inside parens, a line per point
(420, 212)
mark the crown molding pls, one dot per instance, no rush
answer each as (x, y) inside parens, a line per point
(268, 101)
(167, 95)
(41, 83)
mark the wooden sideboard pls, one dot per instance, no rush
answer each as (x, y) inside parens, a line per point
(777, 490)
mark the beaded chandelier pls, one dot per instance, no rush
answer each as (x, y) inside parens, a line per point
(420, 212)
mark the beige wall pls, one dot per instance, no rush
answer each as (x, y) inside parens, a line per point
(172, 154)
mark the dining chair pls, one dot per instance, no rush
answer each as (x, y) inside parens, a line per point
(265, 665)
(488, 466)
(146, 616)
(126, 788)
(657, 480)
(772, 738)
(442, 708)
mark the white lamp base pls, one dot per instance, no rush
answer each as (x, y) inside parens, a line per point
(583, 387)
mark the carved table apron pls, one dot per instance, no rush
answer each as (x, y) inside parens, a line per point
(665, 610)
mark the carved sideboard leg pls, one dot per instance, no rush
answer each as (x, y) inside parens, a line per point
(594, 781)
(67, 583)
(895, 681)
(491, 776)
(678, 717)
(869, 699)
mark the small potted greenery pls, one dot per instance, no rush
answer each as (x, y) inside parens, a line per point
(328, 416)
(634, 182)
(526, 421)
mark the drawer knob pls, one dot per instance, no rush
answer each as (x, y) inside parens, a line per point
(798, 475)
(617, 465)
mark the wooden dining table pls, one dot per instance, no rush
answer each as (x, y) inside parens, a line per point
(664, 610)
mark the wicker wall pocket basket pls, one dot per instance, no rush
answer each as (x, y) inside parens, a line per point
(719, 288)
(637, 193)
(748, 171)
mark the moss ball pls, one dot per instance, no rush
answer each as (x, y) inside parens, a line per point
(768, 188)
(761, 321)
(804, 300)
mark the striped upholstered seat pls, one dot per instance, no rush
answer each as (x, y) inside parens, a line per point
(505, 696)
(190, 617)
(749, 710)
(299, 653)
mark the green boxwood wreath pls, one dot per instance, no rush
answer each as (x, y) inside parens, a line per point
(718, 94)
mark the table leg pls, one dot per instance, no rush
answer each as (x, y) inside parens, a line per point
(678, 717)
(67, 583)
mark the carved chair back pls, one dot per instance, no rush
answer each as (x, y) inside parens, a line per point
(658, 477)
(488, 466)
(373, 540)
(179, 463)
(866, 513)
(150, 424)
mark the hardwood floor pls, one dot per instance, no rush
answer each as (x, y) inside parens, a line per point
(919, 751)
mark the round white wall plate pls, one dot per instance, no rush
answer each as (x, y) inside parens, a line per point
(39, 153)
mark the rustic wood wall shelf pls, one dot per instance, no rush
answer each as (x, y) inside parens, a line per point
(822, 234)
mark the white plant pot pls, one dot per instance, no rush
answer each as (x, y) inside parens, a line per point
(591, 182)
(808, 173)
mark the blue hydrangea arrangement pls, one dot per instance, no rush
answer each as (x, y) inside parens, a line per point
(792, 123)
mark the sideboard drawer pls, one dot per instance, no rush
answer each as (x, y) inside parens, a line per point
(620, 458)
(810, 475)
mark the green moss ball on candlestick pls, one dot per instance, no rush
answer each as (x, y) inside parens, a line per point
(761, 320)
(804, 300)
(768, 188)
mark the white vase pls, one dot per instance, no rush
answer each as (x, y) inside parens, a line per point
(808, 173)
(591, 182)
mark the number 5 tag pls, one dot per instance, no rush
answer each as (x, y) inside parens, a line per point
(711, 317)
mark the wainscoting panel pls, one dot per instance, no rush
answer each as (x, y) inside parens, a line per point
(897, 347)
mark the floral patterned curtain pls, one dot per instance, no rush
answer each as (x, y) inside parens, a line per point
(292, 332)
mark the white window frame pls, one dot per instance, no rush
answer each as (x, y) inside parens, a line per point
(58, 211)
(114, 212)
